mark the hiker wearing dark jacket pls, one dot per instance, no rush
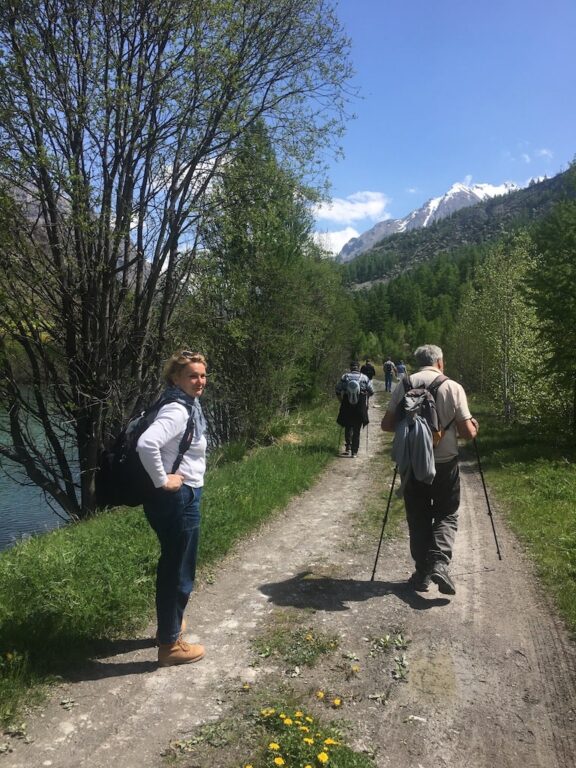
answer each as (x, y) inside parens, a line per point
(368, 369)
(353, 415)
(432, 509)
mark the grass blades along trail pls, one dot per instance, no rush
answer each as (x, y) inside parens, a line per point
(533, 479)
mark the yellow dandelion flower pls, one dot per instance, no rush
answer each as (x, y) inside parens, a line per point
(308, 740)
(307, 765)
(319, 695)
(273, 746)
(298, 714)
(330, 741)
(248, 765)
(355, 668)
(267, 711)
(309, 719)
(309, 637)
(246, 687)
(304, 728)
(279, 761)
(281, 715)
(288, 721)
(337, 702)
(322, 758)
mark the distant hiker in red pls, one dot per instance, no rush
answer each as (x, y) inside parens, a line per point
(353, 390)
(432, 507)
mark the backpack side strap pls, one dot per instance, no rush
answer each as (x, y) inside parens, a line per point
(185, 442)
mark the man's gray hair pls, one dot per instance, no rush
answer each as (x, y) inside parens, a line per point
(428, 354)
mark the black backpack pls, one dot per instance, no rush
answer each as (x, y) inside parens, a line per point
(421, 401)
(121, 479)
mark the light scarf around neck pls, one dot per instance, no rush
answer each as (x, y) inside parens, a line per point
(172, 392)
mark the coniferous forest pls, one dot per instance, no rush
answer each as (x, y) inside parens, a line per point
(495, 291)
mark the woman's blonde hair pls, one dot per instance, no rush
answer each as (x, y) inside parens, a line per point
(178, 360)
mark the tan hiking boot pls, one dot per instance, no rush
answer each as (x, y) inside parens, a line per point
(179, 652)
(182, 630)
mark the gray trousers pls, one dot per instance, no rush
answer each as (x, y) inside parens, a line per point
(432, 515)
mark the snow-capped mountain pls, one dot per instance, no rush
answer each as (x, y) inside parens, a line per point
(458, 196)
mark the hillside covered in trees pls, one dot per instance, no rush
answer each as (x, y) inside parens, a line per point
(476, 225)
(498, 296)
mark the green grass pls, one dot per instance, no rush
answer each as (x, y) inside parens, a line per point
(66, 595)
(533, 478)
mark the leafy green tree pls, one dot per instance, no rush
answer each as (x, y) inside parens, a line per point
(495, 344)
(267, 296)
(115, 117)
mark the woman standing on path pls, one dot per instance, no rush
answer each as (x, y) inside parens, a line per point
(174, 509)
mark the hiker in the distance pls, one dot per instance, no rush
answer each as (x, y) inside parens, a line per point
(389, 370)
(432, 510)
(368, 369)
(174, 510)
(400, 370)
(354, 390)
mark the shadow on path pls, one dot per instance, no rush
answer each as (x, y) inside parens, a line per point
(305, 590)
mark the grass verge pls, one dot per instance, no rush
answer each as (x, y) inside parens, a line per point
(66, 594)
(533, 477)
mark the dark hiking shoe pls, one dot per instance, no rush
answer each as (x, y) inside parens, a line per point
(420, 582)
(440, 576)
(354, 455)
(345, 453)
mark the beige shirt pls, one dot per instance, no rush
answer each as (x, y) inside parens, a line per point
(451, 404)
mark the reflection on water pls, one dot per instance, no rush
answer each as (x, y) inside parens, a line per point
(23, 507)
(23, 511)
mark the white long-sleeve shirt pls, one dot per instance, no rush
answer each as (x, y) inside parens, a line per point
(158, 448)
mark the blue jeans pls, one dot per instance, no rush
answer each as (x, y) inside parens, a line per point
(175, 518)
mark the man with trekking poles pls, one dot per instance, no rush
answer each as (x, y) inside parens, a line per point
(428, 463)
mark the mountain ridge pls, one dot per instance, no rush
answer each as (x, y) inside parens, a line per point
(468, 227)
(459, 196)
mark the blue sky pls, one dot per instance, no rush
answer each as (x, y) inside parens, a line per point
(452, 90)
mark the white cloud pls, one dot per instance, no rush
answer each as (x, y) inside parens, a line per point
(526, 157)
(360, 205)
(547, 153)
(333, 242)
(467, 180)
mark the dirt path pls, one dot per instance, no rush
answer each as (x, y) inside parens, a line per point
(487, 678)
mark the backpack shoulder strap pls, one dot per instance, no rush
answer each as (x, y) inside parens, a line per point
(435, 385)
(186, 440)
(433, 389)
(188, 436)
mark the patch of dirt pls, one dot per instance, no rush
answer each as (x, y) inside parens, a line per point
(485, 678)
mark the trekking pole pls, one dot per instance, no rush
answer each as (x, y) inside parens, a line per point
(366, 438)
(487, 500)
(385, 521)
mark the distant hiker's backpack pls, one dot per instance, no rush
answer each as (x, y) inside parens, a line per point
(421, 401)
(121, 479)
(353, 390)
